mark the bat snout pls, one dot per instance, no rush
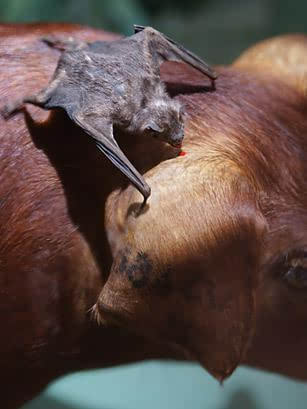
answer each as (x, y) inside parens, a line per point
(176, 144)
(176, 140)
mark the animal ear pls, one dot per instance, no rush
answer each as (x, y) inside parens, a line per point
(196, 288)
(153, 127)
(219, 324)
(284, 57)
(221, 316)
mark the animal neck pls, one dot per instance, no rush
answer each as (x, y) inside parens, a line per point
(72, 181)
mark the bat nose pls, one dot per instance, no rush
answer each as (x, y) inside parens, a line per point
(177, 139)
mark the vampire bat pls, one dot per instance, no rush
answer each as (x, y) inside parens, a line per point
(102, 85)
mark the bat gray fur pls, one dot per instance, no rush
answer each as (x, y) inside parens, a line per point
(102, 85)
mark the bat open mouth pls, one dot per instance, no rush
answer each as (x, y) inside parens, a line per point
(176, 144)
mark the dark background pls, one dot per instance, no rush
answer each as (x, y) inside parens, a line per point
(217, 30)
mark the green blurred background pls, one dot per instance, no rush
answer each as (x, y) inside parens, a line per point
(218, 30)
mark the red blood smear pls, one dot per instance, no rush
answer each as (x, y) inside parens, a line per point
(182, 153)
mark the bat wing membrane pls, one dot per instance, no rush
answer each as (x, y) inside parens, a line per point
(169, 50)
(101, 130)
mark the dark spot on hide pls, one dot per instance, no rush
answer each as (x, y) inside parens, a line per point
(137, 269)
(138, 272)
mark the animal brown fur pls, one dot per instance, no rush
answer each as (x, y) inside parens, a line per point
(202, 263)
(54, 254)
(204, 267)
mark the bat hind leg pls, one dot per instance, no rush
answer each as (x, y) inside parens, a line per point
(14, 107)
(11, 108)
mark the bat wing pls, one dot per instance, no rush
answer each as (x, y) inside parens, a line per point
(63, 92)
(164, 48)
(101, 129)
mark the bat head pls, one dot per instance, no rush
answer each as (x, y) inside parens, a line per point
(161, 118)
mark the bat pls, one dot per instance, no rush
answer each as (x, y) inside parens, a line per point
(106, 85)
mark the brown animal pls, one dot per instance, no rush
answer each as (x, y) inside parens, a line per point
(217, 263)
(207, 223)
(54, 255)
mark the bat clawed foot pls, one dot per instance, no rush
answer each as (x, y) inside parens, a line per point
(143, 205)
(12, 108)
(136, 209)
(142, 208)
